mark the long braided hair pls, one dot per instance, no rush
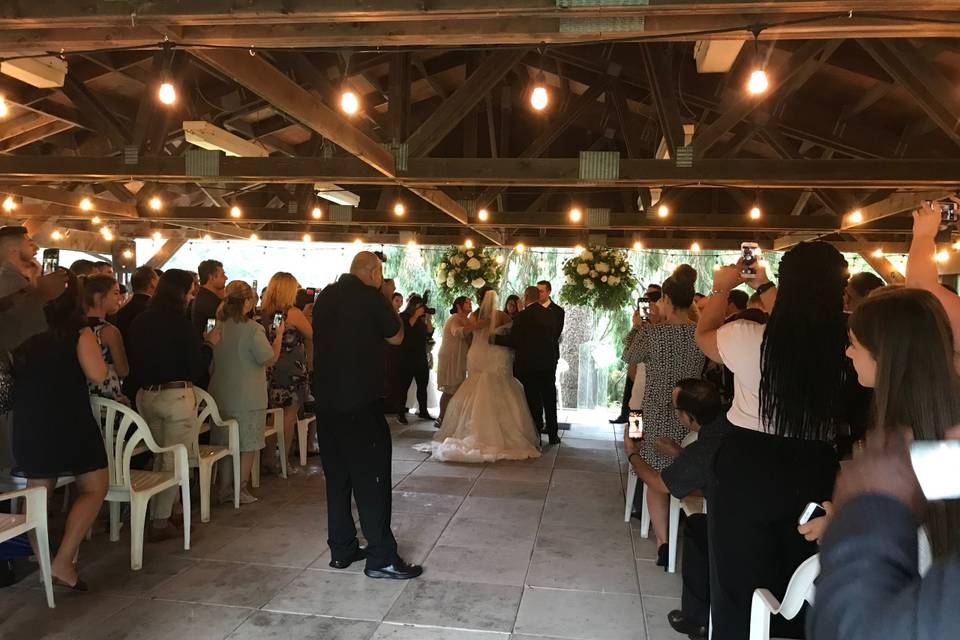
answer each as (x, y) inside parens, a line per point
(803, 364)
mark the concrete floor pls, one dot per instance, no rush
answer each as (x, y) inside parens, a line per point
(521, 550)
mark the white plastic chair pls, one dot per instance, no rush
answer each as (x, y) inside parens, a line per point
(35, 518)
(273, 427)
(124, 431)
(303, 431)
(800, 589)
(675, 506)
(208, 455)
(9, 482)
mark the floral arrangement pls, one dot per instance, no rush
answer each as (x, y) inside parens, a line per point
(598, 277)
(461, 271)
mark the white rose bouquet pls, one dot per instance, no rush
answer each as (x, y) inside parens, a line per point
(462, 271)
(598, 277)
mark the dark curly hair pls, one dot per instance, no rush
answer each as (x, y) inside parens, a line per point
(679, 287)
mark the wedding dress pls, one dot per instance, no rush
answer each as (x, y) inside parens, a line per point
(487, 419)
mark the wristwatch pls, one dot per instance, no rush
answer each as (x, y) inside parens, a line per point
(766, 286)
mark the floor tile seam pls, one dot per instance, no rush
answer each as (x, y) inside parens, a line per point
(259, 564)
(417, 625)
(265, 609)
(593, 591)
(533, 549)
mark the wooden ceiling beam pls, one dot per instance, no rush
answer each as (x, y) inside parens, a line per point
(660, 75)
(101, 119)
(893, 204)
(70, 199)
(463, 101)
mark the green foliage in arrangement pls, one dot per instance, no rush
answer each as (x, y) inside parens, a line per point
(599, 277)
(462, 271)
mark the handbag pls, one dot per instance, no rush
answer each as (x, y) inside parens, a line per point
(6, 382)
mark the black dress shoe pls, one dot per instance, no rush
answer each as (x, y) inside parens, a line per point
(359, 554)
(663, 552)
(402, 418)
(554, 440)
(399, 570)
(682, 624)
(425, 416)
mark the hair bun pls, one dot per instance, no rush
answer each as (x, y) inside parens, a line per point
(685, 274)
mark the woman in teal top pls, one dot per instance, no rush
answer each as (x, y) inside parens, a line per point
(239, 382)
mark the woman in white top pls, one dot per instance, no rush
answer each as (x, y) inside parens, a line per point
(452, 359)
(790, 381)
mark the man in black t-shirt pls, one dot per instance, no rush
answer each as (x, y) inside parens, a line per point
(351, 320)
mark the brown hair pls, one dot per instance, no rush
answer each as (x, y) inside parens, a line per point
(234, 298)
(917, 386)
(98, 285)
(281, 293)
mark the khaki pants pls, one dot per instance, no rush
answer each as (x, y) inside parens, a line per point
(171, 415)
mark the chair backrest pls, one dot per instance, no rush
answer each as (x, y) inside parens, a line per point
(800, 589)
(123, 431)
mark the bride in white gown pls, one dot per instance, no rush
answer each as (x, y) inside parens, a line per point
(487, 419)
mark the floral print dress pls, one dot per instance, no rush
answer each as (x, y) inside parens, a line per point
(288, 378)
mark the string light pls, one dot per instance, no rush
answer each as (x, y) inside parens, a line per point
(307, 237)
(575, 215)
(520, 248)
(578, 249)
(127, 254)
(758, 82)
(358, 242)
(468, 243)
(941, 256)
(663, 211)
(539, 98)
(157, 236)
(156, 203)
(235, 212)
(638, 246)
(56, 235)
(411, 243)
(207, 237)
(755, 213)
(349, 103)
(317, 213)
(499, 259)
(4, 109)
(399, 209)
(879, 252)
(483, 215)
(956, 246)
(856, 217)
(86, 204)
(106, 233)
(695, 247)
(167, 93)
(9, 204)
(95, 220)
(254, 237)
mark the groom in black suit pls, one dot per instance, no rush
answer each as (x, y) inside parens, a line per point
(535, 338)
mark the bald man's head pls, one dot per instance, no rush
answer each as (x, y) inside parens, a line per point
(367, 267)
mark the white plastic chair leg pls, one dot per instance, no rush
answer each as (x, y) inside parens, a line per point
(43, 547)
(282, 446)
(255, 470)
(138, 523)
(185, 499)
(236, 480)
(631, 494)
(114, 521)
(644, 516)
(674, 526)
(14, 505)
(303, 429)
(206, 479)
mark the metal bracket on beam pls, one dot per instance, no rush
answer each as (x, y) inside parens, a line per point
(602, 25)
(131, 154)
(685, 156)
(598, 217)
(400, 155)
(599, 165)
(201, 162)
(340, 213)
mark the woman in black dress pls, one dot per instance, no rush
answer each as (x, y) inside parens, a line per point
(417, 329)
(54, 431)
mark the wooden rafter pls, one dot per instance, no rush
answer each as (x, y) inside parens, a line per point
(660, 75)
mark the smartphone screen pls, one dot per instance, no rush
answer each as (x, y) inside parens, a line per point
(750, 253)
(936, 462)
(811, 512)
(277, 319)
(211, 323)
(635, 425)
(51, 260)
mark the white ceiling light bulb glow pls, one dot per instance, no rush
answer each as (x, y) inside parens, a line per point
(637, 246)
(254, 237)
(399, 209)
(349, 103)
(575, 215)
(307, 237)
(539, 98)
(56, 235)
(520, 248)
(468, 243)
(758, 83)
(207, 237)
(695, 247)
(663, 211)
(157, 236)
(95, 220)
(235, 212)
(755, 213)
(9, 204)
(156, 203)
(483, 215)
(86, 204)
(317, 213)
(856, 217)
(167, 93)
(4, 109)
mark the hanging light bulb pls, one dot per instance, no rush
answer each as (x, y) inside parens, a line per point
(663, 211)
(86, 204)
(307, 237)
(156, 203)
(575, 215)
(942, 256)
(56, 235)
(157, 236)
(637, 246)
(167, 93)
(695, 247)
(758, 83)
(349, 103)
(317, 213)
(539, 98)
(254, 237)
(399, 209)
(483, 215)
(577, 250)
(106, 233)
(520, 248)
(4, 109)
(411, 243)
(468, 243)
(235, 212)
(9, 204)
(856, 217)
(127, 254)
(207, 237)
(95, 220)
(879, 252)
(358, 242)
(755, 213)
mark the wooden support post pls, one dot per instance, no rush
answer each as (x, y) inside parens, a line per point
(166, 251)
